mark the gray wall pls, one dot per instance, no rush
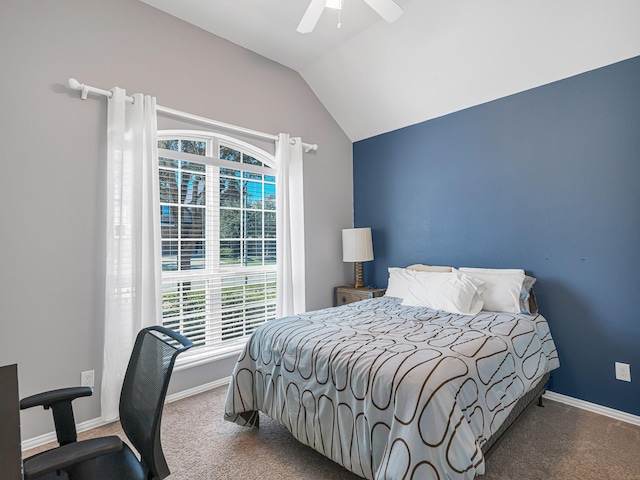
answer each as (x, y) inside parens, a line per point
(52, 185)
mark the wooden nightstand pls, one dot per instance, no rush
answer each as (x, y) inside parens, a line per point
(349, 294)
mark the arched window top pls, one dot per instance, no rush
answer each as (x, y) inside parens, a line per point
(205, 143)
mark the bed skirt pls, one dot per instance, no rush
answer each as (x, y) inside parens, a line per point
(521, 405)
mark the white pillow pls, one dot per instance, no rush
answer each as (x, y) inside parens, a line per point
(400, 279)
(428, 268)
(399, 282)
(453, 292)
(496, 271)
(501, 288)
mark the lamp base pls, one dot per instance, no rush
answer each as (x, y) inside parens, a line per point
(359, 275)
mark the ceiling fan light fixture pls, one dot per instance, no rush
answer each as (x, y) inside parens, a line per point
(387, 9)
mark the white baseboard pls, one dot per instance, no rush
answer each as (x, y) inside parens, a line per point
(196, 390)
(593, 407)
(98, 422)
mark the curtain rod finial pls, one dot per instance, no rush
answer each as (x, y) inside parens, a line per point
(75, 84)
(311, 147)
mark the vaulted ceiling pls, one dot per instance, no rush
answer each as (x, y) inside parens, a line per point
(439, 57)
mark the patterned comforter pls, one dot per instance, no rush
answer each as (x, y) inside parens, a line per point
(390, 391)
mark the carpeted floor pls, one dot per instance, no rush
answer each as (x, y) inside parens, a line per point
(557, 442)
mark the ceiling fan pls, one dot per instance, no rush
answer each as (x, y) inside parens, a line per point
(387, 9)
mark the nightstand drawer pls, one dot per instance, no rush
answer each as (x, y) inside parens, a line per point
(346, 294)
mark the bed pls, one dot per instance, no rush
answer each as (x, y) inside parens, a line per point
(390, 390)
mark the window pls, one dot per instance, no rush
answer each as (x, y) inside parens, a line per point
(218, 229)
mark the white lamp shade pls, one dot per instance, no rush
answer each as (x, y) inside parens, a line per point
(357, 245)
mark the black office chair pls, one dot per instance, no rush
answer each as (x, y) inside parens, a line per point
(141, 403)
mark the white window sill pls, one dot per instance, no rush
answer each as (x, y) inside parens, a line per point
(188, 361)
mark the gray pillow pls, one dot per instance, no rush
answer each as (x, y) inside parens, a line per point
(528, 302)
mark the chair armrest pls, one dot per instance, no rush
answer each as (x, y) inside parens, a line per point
(60, 403)
(69, 455)
(46, 399)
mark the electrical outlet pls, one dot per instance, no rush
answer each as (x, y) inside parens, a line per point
(86, 378)
(623, 372)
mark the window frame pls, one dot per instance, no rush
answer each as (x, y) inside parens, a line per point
(213, 142)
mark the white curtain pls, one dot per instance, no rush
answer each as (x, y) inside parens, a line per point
(289, 227)
(133, 251)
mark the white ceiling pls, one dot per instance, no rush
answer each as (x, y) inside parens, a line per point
(439, 57)
(268, 27)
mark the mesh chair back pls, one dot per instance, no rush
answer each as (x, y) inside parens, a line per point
(144, 391)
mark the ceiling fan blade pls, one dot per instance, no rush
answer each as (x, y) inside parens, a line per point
(387, 9)
(311, 16)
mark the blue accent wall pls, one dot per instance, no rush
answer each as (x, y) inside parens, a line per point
(547, 180)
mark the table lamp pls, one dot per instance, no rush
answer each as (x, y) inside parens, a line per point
(357, 247)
